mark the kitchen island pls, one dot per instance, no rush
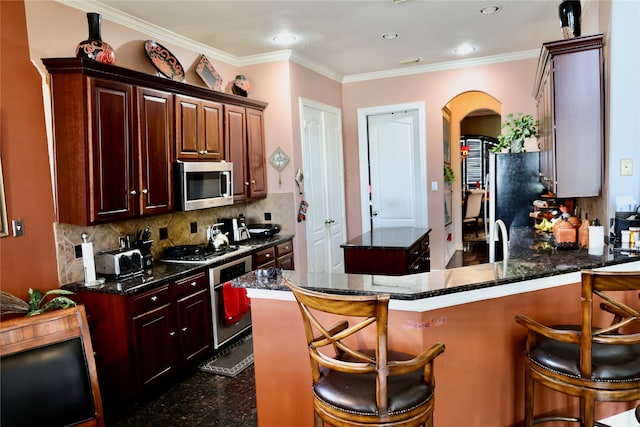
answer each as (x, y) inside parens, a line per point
(471, 309)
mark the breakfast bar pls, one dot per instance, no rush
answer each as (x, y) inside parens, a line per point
(471, 309)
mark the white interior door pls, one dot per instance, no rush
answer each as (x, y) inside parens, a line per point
(323, 186)
(393, 168)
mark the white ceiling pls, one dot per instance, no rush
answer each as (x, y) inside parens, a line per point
(344, 38)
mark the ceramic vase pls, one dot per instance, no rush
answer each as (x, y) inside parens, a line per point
(94, 48)
(569, 12)
(241, 86)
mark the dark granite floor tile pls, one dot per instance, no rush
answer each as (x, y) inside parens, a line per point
(200, 399)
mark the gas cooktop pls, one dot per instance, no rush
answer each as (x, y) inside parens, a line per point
(194, 253)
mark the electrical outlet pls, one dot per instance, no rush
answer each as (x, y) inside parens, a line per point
(18, 227)
(78, 251)
(267, 216)
(626, 167)
(194, 227)
(164, 233)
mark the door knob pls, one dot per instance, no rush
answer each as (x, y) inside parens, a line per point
(374, 213)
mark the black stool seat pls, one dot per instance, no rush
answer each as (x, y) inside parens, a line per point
(610, 362)
(357, 392)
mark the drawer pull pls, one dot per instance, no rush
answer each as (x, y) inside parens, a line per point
(172, 333)
(194, 284)
(154, 298)
(286, 248)
(184, 329)
(267, 255)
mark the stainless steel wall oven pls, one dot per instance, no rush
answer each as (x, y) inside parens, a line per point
(222, 332)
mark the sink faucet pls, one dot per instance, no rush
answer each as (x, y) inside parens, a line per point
(493, 237)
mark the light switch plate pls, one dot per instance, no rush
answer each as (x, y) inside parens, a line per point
(626, 167)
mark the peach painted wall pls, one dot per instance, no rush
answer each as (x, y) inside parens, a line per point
(510, 83)
(28, 261)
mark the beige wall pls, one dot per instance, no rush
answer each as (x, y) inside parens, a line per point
(510, 83)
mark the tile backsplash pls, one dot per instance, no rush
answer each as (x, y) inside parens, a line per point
(178, 225)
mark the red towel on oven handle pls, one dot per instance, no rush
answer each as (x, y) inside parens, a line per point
(235, 303)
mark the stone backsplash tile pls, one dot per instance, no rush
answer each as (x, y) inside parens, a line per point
(178, 224)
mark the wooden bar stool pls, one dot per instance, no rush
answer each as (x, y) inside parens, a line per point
(590, 362)
(363, 387)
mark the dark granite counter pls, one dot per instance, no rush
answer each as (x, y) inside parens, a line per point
(528, 260)
(163, 271)
(388, 238)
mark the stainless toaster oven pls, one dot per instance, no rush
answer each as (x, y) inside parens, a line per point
(119, 263)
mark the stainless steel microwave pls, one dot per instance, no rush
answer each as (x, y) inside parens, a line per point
(201, 185)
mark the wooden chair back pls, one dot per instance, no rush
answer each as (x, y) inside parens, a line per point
(340, 338)
(47, 371)
(602, 284)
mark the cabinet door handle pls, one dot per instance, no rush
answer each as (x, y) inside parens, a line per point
(286, 248)
(246, 183)
(253, 181)
(145, 191)
(194, 284)
(154, 298)
(184, 329)
(133, 192)
(267, 255)
(172, 333)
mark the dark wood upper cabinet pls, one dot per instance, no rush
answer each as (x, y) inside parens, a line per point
(257, 172)
(117, 133)
(569, 91)
(155, 144)
(199, 125)
(112, 132)
(245, 148)
(235, 133)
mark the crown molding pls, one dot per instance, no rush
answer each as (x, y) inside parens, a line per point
(155, 31)
(443, 66)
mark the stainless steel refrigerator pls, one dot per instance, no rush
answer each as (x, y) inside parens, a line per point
(514, 184)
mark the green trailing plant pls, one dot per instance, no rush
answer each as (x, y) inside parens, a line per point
(515, 131)
(37, 298)
(449, 175)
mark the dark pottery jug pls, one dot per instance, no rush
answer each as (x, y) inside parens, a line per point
(94, 48)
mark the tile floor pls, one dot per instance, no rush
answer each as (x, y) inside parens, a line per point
(200, 399)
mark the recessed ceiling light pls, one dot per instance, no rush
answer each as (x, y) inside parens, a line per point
(284, 39)
(488, 10)
(464, 49)
(389, 36)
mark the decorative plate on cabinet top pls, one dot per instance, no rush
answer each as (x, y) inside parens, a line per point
(164, 61)
(208, 74)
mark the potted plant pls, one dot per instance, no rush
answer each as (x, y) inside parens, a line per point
(10, 304)
(449, 175)
(517, 130)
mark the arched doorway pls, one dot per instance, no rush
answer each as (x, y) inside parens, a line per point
(463, 105)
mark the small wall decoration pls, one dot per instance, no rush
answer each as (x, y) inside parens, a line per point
(208, 74)
(279, 160)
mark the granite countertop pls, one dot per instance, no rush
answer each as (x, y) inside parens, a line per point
(163, 271)
(388, 238)
(528, 259)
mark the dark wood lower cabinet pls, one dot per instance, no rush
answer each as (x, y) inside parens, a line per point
(279, 256)
(156, 345)
(143, 340)
(390, 251)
